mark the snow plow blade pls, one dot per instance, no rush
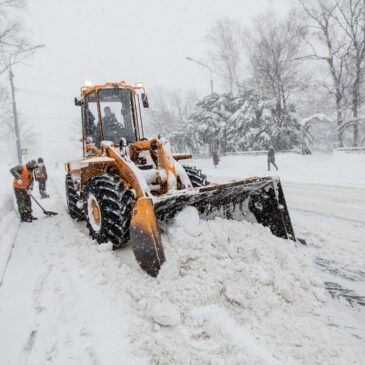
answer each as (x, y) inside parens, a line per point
(145, 238)
(257, 200)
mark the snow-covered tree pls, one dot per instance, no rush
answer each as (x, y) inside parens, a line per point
(226, 123)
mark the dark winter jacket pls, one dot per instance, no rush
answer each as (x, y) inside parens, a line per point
(40, 173)
(271, 154)
(113, 130)
(215, 158)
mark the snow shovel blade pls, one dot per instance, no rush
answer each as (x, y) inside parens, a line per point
(259, 200)
(49, 212)
(145, 237)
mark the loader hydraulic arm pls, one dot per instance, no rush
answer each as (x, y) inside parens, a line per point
(162, 157)
(127, 171)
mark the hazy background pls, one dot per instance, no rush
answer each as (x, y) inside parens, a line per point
(109, 41)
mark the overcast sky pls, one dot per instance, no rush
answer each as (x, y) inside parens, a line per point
(111, 40)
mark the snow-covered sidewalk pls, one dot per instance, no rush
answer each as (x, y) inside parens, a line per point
(54, 309)
(9, 223)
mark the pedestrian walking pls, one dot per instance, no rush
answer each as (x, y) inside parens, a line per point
(23, 186)
(271, 158)
(215, 159)
(40, 175)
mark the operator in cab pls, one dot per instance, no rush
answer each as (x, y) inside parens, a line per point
(114, 130)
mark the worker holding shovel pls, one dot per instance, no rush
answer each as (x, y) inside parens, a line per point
(23, 185)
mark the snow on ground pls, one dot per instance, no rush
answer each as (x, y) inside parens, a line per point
(330, 169)
(9, 220)
(229, 293)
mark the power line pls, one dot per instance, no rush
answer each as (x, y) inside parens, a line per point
(50, 117)
(50, 81)
(42, 93)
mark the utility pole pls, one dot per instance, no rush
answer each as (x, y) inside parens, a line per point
(15, 116)
(12, 60)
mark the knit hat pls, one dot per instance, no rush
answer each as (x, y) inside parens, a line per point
(32, 164)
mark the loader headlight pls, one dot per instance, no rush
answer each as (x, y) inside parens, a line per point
(88, 83)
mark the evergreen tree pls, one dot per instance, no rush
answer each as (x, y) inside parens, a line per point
(226, 123)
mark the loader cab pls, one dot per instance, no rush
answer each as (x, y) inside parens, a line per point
(109, 114)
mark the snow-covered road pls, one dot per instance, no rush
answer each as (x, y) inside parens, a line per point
(229, 293)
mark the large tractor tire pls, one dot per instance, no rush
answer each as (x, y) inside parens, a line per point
(72, 198)
(108, 208)
(196, 176)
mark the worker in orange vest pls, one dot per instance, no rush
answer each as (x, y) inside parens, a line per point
(23, 186)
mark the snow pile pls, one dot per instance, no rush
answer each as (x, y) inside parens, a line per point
(9, 219)
(9, 222)
(230, 292)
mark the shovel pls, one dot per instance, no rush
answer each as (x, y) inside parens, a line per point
(46, 212)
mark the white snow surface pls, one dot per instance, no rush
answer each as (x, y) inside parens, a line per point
(9, 222)
(229, 293)
(330, 169)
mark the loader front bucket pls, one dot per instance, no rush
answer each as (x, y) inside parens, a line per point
(258, 200)
(145, 237)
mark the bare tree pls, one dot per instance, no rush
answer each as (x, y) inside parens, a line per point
(169, 110)
(10, 30)
(5, 115)
(225, 50)
(350, 17)
(273, 48)
(327, 43)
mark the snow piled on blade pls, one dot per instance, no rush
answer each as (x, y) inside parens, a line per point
(232, 293)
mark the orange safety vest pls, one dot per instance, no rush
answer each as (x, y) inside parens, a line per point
(26, 178)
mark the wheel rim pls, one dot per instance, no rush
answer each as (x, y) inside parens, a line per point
(94, 213)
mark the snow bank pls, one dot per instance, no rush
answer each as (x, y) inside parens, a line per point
(9, 222)
(9, 219)
(231, 293)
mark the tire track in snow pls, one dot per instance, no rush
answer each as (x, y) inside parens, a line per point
(28, 347)
(38, 290)
(52, 286)
(72, 235)
(328, 215)
(8, 260)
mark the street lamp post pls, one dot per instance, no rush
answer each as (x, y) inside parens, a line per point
(15, 113)
(206, 66)
(15, 116)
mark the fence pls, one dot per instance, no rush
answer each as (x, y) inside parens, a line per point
(244, 153)
(351, 149)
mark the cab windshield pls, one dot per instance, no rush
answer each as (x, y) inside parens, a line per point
(116, 116)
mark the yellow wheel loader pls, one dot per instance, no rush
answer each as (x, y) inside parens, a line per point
(127, 186)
